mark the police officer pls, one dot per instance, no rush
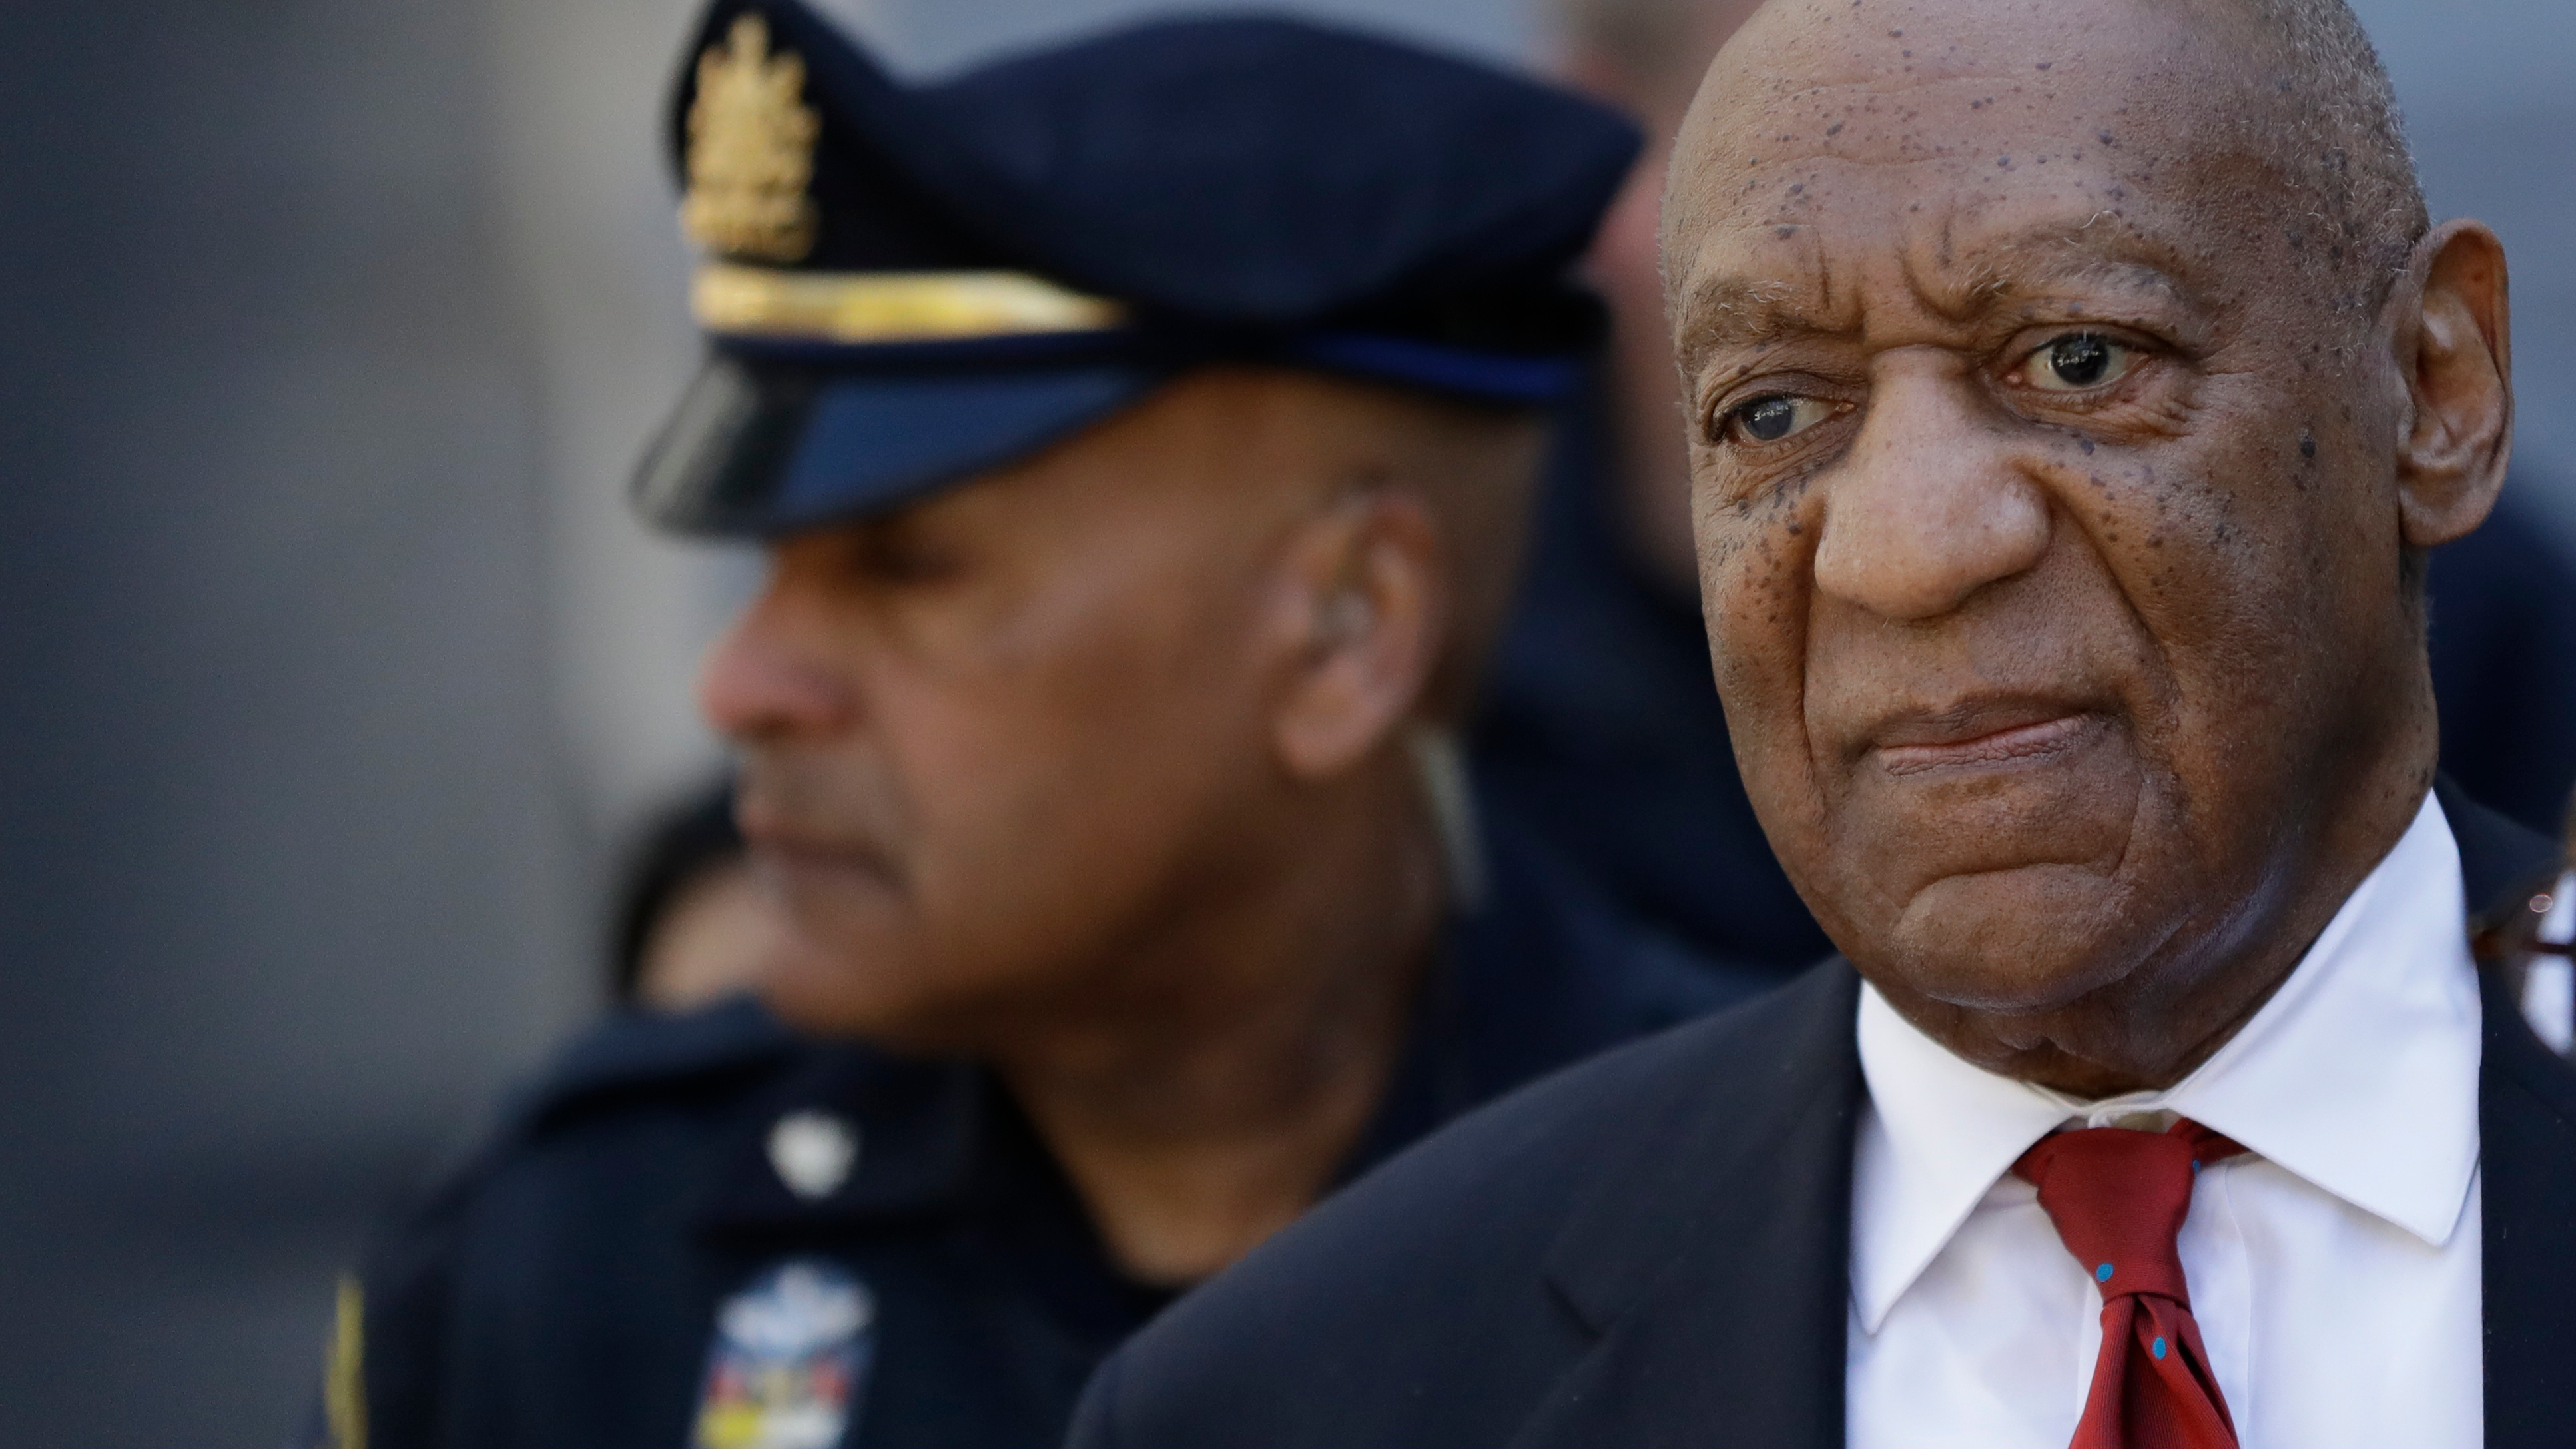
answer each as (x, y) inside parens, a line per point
(1142, 434)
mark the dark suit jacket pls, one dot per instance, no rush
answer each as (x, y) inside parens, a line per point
(1652, 1249)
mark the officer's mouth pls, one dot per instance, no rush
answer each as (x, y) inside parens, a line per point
(790, 844)
(792, 865)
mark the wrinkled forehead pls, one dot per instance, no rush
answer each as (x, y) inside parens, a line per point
(1975, 144)
(2043, 61)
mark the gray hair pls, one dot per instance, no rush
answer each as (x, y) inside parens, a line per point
(2338, 130)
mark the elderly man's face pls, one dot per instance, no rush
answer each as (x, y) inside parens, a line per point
(2049, 540)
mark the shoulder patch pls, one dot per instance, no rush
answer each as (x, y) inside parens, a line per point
(344, 1386)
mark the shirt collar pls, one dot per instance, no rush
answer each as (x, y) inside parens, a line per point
(2360, 1076)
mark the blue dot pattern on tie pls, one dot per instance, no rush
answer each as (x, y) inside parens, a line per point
(2102, 1274)
(2159, 1347)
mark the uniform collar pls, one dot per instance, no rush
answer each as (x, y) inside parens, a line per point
(917, 1131)
(2360, 1075)
(1543, 973)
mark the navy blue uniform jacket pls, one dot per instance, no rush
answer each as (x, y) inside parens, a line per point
(1652, 1250)
(562, 1292)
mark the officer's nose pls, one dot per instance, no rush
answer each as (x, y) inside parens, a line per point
(770, 676)
(1933, 502)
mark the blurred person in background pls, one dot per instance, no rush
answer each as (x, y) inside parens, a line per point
(1602, 724)
(1144, 449)
(694, 925)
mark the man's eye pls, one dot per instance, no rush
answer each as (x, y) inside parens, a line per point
(1769, 419)
(2078, 361)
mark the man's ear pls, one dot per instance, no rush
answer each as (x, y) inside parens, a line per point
(1366, 598)
(2454, 355)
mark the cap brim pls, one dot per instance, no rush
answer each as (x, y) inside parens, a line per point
(762, 449)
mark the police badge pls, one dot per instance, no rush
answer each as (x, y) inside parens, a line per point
(751, 151)
(790, 1361)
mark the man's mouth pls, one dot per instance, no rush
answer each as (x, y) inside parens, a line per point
(1982, 736)
(789, 850)
(790, 835)
(793, 857)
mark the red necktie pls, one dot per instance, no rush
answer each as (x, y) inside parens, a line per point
(2118, 1198)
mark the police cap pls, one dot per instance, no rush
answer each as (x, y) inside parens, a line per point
(904, 285)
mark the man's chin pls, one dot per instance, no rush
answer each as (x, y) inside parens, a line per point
(828, 997)
(916, 1010)
(2032, 939)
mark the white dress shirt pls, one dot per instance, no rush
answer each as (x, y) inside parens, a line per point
(2333, 1269)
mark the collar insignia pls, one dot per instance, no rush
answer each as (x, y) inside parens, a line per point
(813, 1152)
(751, 150)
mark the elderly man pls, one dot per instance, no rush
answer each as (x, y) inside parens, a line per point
(2074, 391)
(1600, 725)
(1141, 433)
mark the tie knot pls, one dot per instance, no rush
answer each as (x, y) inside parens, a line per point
(2118, 1198)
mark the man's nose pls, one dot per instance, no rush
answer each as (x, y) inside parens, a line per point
(1932, 504)
(766, 678)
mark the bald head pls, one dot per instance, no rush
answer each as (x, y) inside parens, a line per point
(1653, 46)
(2281, 100)
(2074, 387)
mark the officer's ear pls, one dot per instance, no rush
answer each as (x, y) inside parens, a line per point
(1366, 601)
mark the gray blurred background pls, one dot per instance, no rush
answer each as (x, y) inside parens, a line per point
(332, 671)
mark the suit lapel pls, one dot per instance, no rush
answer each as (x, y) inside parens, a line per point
(2527, 1161)
(2527, 1148)
(2500, 861)
(1715, 1272)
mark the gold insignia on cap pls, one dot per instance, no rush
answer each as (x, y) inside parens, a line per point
(860, 308)
(751, 150)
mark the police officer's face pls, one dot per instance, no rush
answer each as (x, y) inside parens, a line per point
(2050, 536)
(995, 741)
